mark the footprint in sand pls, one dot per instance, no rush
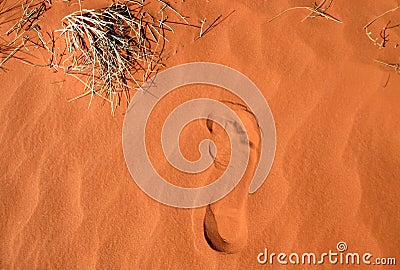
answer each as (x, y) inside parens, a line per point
(225, 221)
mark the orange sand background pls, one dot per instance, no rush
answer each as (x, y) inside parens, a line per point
(67, 200)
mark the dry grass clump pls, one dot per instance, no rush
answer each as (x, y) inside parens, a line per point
(110, 50)
(25, 30)
(106, 47)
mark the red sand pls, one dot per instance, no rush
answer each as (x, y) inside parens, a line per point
(68, 201)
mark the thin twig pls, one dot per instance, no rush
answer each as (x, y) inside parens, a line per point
(166, 4)
(318, 10)
(396, 67)
(369, 33)
(214, 24)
